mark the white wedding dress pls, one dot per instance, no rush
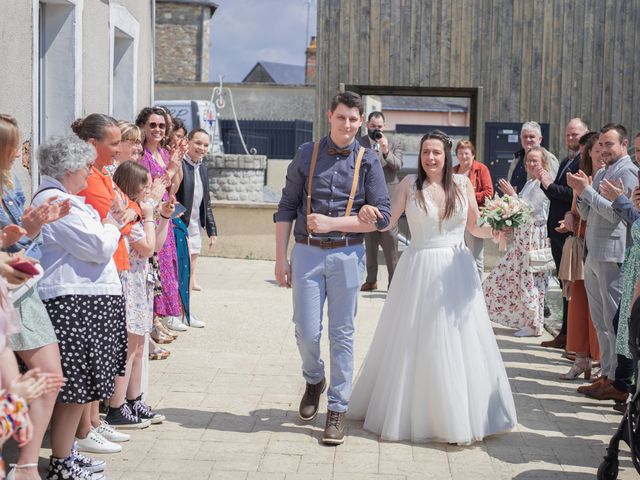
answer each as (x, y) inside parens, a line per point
(434, 371)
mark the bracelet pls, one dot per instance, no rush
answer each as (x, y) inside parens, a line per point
(166, 218)
(151, 220)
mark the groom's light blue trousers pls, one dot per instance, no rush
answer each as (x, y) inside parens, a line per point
(335, 275)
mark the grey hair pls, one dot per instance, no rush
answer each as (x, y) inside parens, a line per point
(59, 155)
(531, 127)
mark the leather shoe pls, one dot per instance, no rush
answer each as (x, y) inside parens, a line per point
(310, 400)
(621, 408)
(559, 342)
(609, 392)
(368, 286)
(334, 429)
(601, 382)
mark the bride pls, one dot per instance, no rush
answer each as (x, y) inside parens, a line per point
(434, 371)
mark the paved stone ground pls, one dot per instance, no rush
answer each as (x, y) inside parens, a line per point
(230, 393)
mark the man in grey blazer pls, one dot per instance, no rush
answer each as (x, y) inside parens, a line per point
(606, 238)
(390, 156)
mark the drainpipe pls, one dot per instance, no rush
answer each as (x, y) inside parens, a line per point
(153, 52)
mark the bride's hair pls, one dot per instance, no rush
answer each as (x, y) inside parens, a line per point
(452, 195)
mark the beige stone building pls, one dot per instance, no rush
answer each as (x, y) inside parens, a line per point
(182, 39)
(63, 59)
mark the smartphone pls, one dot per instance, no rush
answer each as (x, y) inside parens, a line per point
(180, 209)
(25, 267)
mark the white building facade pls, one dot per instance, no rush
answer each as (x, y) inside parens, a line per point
(64, 59)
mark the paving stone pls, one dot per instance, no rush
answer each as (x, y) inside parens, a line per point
(230, 393)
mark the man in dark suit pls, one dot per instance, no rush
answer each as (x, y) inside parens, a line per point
(560, 197)
(390, 156)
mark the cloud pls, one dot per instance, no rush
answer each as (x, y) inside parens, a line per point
(244, 32)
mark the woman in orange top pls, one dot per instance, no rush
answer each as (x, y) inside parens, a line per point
(103, 132)
(481, 180)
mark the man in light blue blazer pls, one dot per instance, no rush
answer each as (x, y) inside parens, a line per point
(606, 238)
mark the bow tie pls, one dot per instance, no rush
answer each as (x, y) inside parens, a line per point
(338, 151)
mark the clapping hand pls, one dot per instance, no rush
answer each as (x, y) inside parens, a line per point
(167, 208)
(635, 197)
(578, 181)
(567, 225)
(11, 234)
(35, 383)
(506, 188)
(611, 190)
(369, 214)
(33, 218)
(177, 152)
(147, 207)
(545, 177)
(158, 187)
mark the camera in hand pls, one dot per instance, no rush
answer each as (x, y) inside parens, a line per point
(375, 134)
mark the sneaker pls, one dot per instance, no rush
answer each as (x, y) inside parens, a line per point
(89, 464)
(123, 417)
(96, 443)
(110, 433)
(144, 412)
(195, 322)
(67, 469)
(174, 323)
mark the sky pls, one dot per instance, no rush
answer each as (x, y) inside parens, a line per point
(244, 32)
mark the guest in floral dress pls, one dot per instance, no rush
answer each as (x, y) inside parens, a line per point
(144, 239)
(513, 292)
(157, 160)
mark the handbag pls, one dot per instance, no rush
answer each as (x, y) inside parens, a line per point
(541, 260)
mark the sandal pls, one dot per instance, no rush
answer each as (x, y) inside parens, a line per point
(11, 473)
(159, 337)
(157, 324)
(159, 353)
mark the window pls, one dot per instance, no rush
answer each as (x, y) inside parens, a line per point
(124, 32)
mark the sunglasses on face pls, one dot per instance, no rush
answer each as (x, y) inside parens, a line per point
(157, 125)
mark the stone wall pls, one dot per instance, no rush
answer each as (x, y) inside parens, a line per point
(236, 177)
(182, 44)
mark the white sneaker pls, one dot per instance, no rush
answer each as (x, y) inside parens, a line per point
(195, 322)
(96, 443)
(110, 433)
(174, 323)
(526, 332)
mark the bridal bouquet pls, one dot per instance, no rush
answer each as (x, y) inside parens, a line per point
(503, 214)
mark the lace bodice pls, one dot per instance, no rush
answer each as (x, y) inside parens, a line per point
(427, 231)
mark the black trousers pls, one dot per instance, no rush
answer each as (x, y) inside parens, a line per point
(557, 242)
(624, 370)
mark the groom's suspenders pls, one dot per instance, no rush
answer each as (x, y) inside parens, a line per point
(354, 185)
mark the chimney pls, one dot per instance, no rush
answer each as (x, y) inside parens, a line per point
(310, 64)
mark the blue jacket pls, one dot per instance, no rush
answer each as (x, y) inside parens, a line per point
(14, 202)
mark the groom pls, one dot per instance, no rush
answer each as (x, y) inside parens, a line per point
(327, 183)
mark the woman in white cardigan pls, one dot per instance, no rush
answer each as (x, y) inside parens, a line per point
(83, 296)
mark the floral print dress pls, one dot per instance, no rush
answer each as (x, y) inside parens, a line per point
(631, 274)
(167, 304)
(514, 294)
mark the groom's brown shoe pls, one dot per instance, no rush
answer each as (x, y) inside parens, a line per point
(310, 400)
(334, 429)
